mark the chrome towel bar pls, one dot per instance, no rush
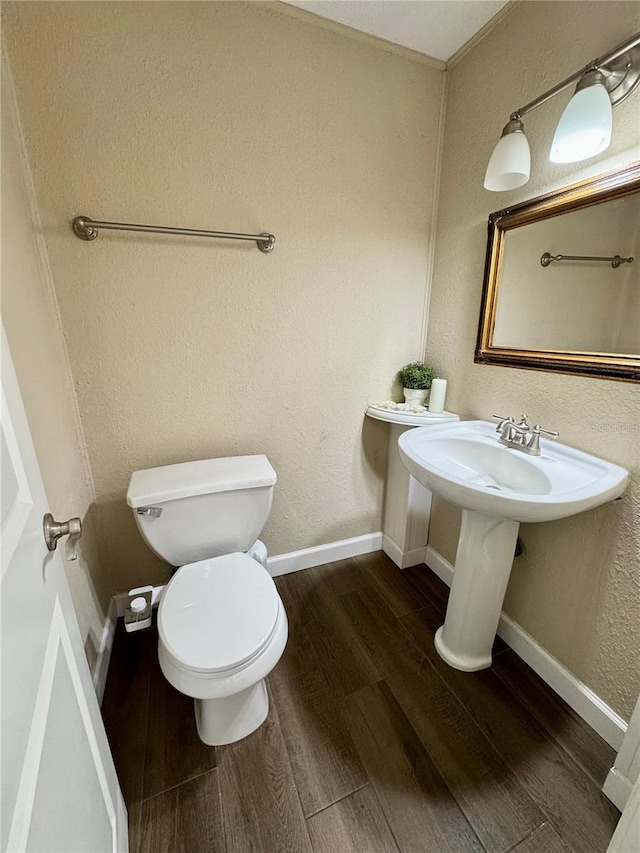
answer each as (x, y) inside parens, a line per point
(615, 261)
(87, 229)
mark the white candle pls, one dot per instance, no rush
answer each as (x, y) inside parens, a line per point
(436, 397)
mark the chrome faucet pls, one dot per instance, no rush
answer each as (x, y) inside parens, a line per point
(510, 432)
(520, 436)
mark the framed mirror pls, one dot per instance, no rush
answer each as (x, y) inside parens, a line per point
(562, 281)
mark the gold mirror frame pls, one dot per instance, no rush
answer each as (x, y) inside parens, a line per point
(574, 197)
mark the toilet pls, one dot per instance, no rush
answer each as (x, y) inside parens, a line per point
(221, 624)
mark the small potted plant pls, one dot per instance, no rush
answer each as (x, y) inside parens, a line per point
(416, 379)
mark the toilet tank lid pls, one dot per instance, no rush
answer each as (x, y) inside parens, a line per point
(206, 476)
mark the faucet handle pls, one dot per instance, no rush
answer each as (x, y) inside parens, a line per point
(504, 426)
(503, 421)
(550, 432)
(506, 429)
(534, 442)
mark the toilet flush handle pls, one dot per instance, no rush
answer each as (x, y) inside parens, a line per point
(154, 511)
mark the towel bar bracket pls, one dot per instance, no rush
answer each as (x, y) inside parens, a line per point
(83, 229)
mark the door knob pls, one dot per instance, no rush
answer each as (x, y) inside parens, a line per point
(53, 530)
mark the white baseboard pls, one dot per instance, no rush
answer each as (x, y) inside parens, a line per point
(575, 693)
(307, 558)
(402, 559)
(121, 600)
(283, 564)
(439, 565)
(101, 665)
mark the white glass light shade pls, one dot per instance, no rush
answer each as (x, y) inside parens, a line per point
(585, 127)
(510, 163)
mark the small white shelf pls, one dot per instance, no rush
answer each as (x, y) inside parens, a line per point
(408, 419)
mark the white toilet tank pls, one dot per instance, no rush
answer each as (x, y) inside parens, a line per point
(195, 510)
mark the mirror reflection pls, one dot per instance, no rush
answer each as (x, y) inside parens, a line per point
(571, 283)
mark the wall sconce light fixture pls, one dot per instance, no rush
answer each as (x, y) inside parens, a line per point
(584, 129)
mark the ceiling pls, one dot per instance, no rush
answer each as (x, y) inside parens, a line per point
(437, 28)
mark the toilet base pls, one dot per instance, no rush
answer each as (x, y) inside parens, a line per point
(226, 720)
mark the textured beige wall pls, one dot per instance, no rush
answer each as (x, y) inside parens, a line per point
(32, 323)
(230, 116)
(577, 588)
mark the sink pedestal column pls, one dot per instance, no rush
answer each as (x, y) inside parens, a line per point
(483, 564)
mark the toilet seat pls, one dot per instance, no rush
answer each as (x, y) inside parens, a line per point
(216, 616)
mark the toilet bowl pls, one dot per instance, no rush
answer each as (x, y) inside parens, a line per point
(222, 626)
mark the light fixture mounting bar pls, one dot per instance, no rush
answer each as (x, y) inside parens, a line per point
(632, 44)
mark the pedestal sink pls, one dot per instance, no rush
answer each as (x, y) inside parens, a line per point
(497, 487)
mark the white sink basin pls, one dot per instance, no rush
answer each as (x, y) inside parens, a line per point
(497, 488)
(463, 463)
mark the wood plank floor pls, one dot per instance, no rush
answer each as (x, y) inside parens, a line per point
(372, 745)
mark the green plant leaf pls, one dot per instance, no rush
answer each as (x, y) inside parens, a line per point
(416, 375)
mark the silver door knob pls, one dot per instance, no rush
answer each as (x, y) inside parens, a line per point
(53, 530)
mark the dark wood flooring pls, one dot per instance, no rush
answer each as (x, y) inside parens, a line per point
(372, 745)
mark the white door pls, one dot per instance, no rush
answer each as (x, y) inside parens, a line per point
(622, 786)
(626, 770)
(60, 793)
(626, 838)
